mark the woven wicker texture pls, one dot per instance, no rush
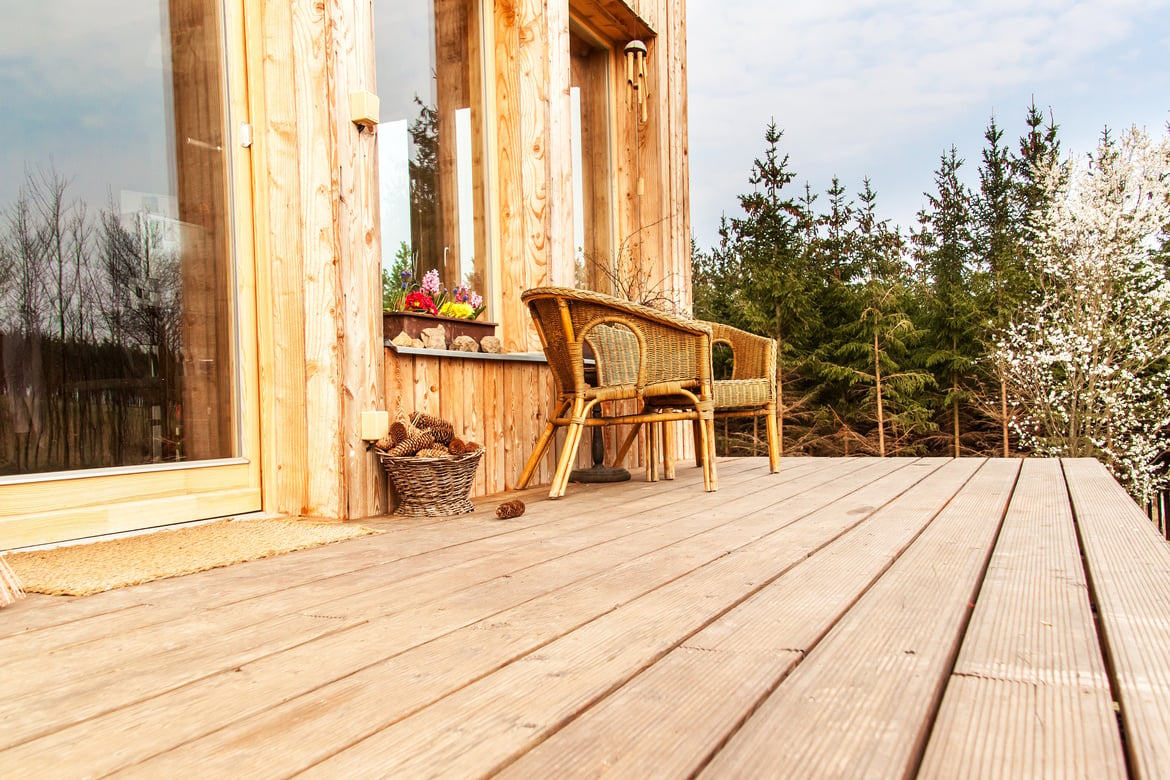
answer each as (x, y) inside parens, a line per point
(751, 391)
(432, 487)
(640, 353)
(742, 393)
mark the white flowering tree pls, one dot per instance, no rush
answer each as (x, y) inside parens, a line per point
(1088, 362)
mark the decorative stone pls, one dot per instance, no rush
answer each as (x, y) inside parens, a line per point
(464, 344)
(434, 338)
(416, 343)
(491, 344)
(403, 339)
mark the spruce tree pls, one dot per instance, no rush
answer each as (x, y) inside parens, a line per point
(1039, 151)
(877, 356)
(1003, 279)
(944, 250)
(767, 241)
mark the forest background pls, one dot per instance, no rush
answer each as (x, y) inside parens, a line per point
(1028, 315)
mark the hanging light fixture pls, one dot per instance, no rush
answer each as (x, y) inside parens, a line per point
(636, 76)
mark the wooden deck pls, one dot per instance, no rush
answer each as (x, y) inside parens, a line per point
(844, 618)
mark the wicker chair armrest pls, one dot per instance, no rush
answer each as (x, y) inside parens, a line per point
(754, 355)
(641, 311)
(636, 347)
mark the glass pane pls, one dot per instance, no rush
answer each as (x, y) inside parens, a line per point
(430, 142)
(114, 264)
(594, 261)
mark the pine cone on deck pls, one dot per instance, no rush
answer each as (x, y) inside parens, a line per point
(508, 509)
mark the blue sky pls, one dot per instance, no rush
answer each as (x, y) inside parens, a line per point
(884, 87)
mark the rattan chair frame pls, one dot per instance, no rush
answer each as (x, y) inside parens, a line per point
(667, 356)
(753, 358)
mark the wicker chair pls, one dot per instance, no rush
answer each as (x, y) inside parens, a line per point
(640, 354)
(750, 392)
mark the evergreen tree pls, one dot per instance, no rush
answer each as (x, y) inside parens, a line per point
(878, 355)
(944, 250)
(767, 241)
(1039, 153)
(836, 299)
(1004, 280)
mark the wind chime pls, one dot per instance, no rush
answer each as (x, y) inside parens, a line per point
(636, 102)
(636, 76)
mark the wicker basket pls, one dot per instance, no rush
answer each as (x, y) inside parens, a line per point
(432, 487)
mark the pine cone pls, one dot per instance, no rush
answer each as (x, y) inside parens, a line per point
(456, 446)
(398, 433)
(425, 422)
(384, 443)
(508, 509)
(433, 451)
(412, 445)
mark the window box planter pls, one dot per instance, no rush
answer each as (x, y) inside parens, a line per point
(395, 322)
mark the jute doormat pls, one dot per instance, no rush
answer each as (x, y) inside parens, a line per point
(83, 569)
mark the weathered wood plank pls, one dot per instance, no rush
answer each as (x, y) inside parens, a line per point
(667, 721)
(184, 653)
(475, 728)
(1129, 577)
(1029, 695)
(422, 654)
(860, 703)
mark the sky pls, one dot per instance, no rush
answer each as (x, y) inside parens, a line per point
(883, 88)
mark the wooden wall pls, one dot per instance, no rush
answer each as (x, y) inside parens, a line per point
(503, 404)
(319, 348)
(318, 255)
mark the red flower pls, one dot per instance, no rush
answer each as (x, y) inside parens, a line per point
(420, 302)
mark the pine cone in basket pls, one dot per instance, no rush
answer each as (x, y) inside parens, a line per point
(412, 444)
(460, 447)
(384, 443)
(433, 451)
(508, 509)
(398, 433)
(425, 422)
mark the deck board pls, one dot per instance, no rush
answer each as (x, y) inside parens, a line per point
(812, 623)
(859, 704)
(1129, 573)
(1030, 694)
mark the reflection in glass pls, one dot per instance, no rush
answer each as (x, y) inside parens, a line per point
(430, 140)
(114, 263)
(595, 263)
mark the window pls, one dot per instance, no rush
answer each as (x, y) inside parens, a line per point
(590, 137)
(430, 140)
(116, 306)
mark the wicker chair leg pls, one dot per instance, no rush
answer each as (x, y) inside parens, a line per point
(569, 451)
(652, 452)
(698, 438)
(629, 442)
(773, 443)
(707, 435)
(541, 447)
(668, 450)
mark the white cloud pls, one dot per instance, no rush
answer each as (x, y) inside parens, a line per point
(858, 84)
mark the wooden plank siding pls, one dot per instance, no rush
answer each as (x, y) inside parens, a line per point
(501, 404)
(317, 248)
(845, 617)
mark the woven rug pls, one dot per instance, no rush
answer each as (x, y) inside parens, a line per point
(82, 569)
